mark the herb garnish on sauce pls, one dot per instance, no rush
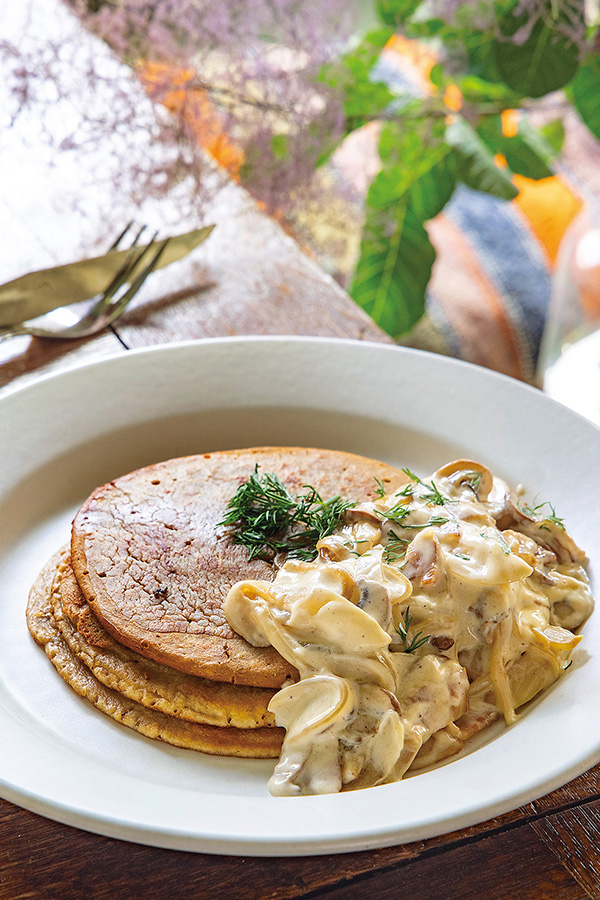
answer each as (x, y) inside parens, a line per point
(402, 628)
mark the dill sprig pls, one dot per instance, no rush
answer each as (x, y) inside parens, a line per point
(473, 480)
(411, 475)
(402, 628)
(500, 539)
(395, 548)
(538, 513)
(267, 519)
(433, 520)
(399, 512)
(396, 513)
(432, 493)
(380, 490)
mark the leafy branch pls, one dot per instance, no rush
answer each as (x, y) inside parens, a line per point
(458, 135)
(467, 123)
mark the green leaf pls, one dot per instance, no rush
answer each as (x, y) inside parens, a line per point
(417, 180)
(479, 90)
(365, 98)
(537, 143)
(527, 152)
(436, 75)
(479, 47)
(554, 134)
(415, 129)
(489, 130)
(475, 163)
(396, 258)
(585, 93)
(523, 159)
(546, 61)
(427, 181)
(431, 27)
(394, 12)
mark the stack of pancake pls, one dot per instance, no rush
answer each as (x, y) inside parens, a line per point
(131, 612)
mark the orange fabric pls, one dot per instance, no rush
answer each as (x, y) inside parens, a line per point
(549, 206)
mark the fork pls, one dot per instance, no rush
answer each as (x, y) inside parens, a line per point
(90, 316)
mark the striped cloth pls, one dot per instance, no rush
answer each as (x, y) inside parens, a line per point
(492, 280)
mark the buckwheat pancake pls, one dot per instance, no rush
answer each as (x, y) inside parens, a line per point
(258, 743)
(155, 568)
(147, 682)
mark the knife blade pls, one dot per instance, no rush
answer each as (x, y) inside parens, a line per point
(39, 292)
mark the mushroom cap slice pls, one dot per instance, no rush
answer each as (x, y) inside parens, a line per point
(467, 471)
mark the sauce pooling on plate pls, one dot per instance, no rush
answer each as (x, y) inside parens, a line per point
(427, 614)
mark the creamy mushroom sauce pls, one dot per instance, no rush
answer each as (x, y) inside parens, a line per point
(429, 614)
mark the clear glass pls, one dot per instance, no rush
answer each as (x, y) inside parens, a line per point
(569, 360)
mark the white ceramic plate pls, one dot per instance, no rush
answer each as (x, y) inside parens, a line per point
(67, 433)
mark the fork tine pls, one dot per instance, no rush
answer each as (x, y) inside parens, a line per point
(130, 264)
(139, 234)
(132, 261)
(117, 308)
(116, 243)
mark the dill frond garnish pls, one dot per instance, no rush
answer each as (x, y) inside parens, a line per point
(433, 520)
(432, 493)
(436, 520)
(402, 628)
(267, 519)
(396, 513)
(411, 475)
(537, 513)
(395, 548)
(500, 539)
(473, 480)
(400, 511)
(380, 491)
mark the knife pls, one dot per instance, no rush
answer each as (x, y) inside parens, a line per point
(37, 293)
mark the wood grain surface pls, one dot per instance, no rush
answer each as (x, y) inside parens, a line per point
(251, 278)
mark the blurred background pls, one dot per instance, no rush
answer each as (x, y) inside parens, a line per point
(431, 155)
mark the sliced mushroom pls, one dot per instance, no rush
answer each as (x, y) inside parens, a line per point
(539, 558)
(545, 531)
(375, 600)
(510, 516)
(571, 600)
(361, 531)
(469, 473)
(424, 560)
(442, 642)
(362, 513)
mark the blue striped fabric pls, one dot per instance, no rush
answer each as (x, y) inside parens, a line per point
(510, 257)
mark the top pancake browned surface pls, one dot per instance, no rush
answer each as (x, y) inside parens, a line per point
(156, 569)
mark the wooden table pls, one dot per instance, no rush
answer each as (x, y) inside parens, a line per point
(250, 278)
